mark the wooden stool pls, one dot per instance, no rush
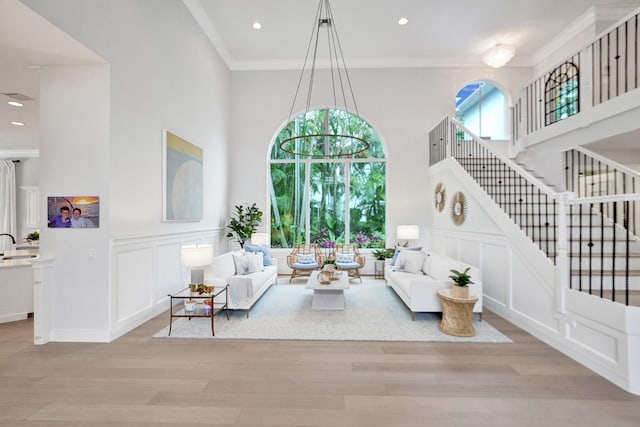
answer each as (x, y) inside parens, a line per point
(457, 314)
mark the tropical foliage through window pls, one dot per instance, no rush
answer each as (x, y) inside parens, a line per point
(328, 195)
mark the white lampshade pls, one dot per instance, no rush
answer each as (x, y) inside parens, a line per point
(408, 232)
(196, 255)
(260, 239)
(499, 55)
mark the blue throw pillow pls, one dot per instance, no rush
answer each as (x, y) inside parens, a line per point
(263, 249)
(402, 248)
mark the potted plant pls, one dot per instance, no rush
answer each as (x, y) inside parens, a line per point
(461, 282)
(382, 254)
(34, 236)
(244, 224)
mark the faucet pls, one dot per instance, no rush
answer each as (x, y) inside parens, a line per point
(13, 240)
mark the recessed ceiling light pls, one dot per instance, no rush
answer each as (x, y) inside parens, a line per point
(15, 103)
(403, 21)
(256, 25)
(17, 123)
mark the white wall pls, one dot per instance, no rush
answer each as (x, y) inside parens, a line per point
(161, 73)
(401, 104)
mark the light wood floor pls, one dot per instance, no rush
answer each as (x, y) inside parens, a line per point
(140, 381)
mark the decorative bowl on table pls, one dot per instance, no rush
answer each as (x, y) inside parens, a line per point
(324, 277)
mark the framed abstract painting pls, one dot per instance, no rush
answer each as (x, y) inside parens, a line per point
(182, 179)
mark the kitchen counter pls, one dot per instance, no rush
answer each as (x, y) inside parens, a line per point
(18, 258)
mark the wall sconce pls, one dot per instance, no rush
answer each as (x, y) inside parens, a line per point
(499, 55)
(260, 239)
(196, 257)
(408, 232)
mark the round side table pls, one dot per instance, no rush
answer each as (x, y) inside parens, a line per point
(457, 314)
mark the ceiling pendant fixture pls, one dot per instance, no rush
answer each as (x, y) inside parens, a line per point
(498, 55)
(307, 139)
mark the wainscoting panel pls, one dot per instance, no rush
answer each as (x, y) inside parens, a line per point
(496, 271)
(144, 270)
(171, 274)
(134, 282)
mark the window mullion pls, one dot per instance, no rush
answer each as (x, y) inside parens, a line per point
(347, 194)
(307, 202)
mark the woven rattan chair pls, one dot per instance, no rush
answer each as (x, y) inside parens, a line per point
(348, 258)
(303, 259)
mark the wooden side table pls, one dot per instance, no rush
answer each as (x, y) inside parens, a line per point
(457, 314)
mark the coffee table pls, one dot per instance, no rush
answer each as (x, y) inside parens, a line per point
(328, 297)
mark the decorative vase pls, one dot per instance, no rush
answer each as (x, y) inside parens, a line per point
(460, 291)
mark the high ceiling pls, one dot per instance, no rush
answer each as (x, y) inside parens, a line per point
(453, 33)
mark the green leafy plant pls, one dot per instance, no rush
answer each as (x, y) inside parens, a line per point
(34, 235)
(461, 279)
(382, 254)
(244, 224)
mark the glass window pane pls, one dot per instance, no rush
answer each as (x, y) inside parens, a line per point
(309, 141)
(287, 204)
(327, 202)
(367, 204)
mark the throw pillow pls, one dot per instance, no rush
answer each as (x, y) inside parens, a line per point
(245, 263)
(402, 248)
(264, 250)
(258, 258)
(410, 261)
(342, 257)
(306, 258)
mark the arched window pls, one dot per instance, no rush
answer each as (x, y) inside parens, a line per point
(561, 93)
(327, 195)
(481, 108)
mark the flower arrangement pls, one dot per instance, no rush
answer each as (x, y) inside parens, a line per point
(33, 236)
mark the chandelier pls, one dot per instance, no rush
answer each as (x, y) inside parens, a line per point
(312, 142)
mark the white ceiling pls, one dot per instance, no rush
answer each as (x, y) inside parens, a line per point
(451, 33)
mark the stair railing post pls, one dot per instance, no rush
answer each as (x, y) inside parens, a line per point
(562, 276)
(449, 137)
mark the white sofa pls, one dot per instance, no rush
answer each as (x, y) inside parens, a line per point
(244, 290)
(419, 290)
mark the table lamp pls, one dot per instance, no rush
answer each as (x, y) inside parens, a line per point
(408, 232)
(260, 239)
(196, 257)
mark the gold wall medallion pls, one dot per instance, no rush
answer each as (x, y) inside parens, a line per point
(440, 197)
(459, 208)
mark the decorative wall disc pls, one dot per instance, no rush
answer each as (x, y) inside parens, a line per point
(459, 208)
(440, 197)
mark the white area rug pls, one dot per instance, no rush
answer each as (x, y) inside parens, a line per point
(373, 312)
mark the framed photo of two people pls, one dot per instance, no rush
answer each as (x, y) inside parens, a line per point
(73, 212)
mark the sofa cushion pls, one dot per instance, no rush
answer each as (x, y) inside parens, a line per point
(223, 265)
(305, 265)
(348, 265)
(264, 250)
(400, 249)
(410, 261)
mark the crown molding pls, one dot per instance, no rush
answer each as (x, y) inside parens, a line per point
(19, 154)
(198, 13)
